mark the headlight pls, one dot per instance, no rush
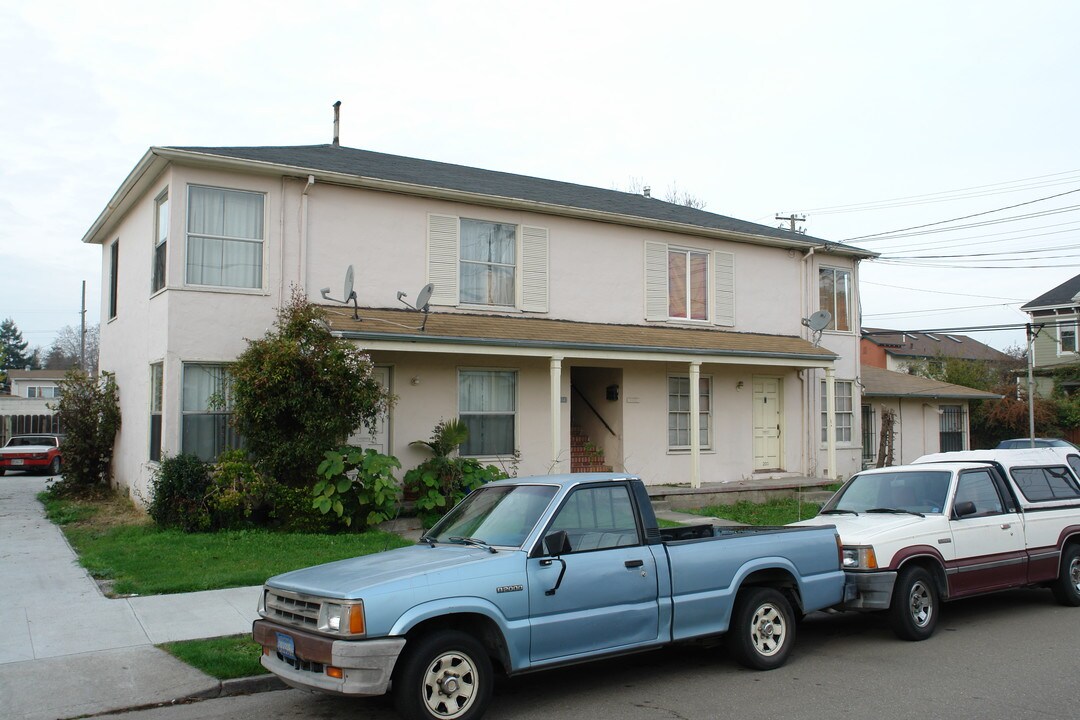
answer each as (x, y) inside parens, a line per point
(859, 558)
(342, 618)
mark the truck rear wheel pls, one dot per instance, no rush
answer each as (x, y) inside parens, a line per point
(445, 676)
(762, 628)
(1067, 587)
(913, 613)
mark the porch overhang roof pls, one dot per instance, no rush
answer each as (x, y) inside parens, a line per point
(476, 334)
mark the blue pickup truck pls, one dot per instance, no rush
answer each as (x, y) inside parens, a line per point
(535, 573)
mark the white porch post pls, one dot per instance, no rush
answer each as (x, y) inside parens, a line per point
(830, 419)
(695, 424)
(556, 414)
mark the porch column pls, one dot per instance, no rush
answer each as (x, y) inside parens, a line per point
(556, 415)
(695, 424)
(830, 420)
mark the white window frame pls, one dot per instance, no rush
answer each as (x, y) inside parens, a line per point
(706, 416)
(114, 278)
(38, 391)
(514, 413)
(229, 439)
(833, 304)
(491, 265)
(720, 285)
(689, 253)
(1063, 329)
(157, 393)
(261, 242)
(159, 257)
(845, 418)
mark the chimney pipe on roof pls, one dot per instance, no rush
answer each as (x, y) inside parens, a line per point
(337, 124)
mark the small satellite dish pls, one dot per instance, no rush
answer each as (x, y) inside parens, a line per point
(818, 321)
(349, 293)
(424, 296)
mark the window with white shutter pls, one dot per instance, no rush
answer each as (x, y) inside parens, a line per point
(677, 283)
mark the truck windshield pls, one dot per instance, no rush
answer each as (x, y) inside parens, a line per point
(909, 492)
(499, 515)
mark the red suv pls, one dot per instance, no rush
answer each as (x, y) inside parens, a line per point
(32, 453)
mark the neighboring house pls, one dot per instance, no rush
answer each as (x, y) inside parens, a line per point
(28, 407)
(929, 415)
(900, 350)
(1055, 315)
(670, 337)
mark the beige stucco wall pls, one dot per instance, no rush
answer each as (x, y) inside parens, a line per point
(918, 426)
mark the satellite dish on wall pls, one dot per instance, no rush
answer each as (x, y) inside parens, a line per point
(349, 293)
(818, 321)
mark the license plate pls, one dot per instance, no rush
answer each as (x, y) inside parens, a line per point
(286, 646)
(17, 461)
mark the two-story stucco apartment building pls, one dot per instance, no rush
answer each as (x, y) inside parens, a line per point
(669, 336)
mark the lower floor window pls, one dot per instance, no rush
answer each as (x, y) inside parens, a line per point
(679, 412)
(206, 411)
(487, 404)
(845, 411)
(952, 428)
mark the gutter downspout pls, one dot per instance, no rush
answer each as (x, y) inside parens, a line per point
(301, 271)
(809, 376)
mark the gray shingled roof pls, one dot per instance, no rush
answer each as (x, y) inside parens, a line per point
(429, 173)
(1063, 294)
(915, 344)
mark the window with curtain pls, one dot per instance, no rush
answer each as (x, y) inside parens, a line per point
(161, 238)
(45, 391)
(679, 412)
(487, 404)
(205, 412)
(845, 411)
(1067, 339)
(157, 378)
(834, 295)
(225, 237)
(488, 263)
(688, 284)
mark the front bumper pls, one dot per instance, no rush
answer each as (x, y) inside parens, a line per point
(868, 590)
(366, 665)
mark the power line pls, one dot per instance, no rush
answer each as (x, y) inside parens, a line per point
(939, 292)
(964, 217)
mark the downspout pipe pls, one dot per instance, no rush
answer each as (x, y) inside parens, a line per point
(301, 271)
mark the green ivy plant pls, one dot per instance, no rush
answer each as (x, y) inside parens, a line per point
(357, 483)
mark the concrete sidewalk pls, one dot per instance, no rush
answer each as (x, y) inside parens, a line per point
(66, 650)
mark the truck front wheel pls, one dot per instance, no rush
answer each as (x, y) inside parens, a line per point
(913, 613)
(762, 628)
(444, 676)
(1067, 587)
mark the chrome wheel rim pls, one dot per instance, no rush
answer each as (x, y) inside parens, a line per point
(920, 604)
(768, 630)
(1074, 573)
(450, 685)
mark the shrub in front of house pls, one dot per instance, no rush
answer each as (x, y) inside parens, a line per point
(358, 487)
(179, 494)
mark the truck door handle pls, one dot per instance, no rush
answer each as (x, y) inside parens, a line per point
(634, 563)
(1005, 526)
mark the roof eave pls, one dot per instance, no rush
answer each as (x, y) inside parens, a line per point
(403, 188)
(125, 195)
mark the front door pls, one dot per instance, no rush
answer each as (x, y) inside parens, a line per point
(989, 543)
(608, 595)
(380, 439)
(767, 414)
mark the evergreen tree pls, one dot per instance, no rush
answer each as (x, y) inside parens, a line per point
(13, 348)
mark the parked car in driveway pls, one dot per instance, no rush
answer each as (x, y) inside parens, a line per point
(1020, 443)
(39, 453)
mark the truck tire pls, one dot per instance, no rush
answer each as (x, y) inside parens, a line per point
(762, 629)
(444, 676)
(1067, 587)
(913, 612)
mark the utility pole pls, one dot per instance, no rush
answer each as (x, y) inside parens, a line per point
(82, 333)
(791, 219)
(1032, 333)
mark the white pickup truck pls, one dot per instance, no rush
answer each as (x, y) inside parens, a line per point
(953, 525)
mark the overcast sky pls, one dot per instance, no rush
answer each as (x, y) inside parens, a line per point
(912, 112)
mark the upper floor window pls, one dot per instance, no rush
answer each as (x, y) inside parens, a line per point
(487, 404)
(834, 289)
(161, 238)
(679, 412)
(845, 410)
(488, 262)
(42, 391)
(482, 262)
(224, 237)
(688, 284)
(1067, 339)
(114, 277)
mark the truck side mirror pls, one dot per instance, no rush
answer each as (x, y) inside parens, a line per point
(963, 509)
(557, 543)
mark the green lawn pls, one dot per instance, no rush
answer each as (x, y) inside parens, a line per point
(773, 512)
(224, 658)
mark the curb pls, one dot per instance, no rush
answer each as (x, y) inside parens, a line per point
(224, 688)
